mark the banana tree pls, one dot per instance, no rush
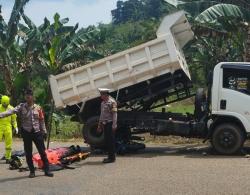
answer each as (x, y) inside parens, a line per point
(195, 7)
(230, 17)
(48, 48)
(43, 47)
(51, 46)
(221, 33)
(9, 48)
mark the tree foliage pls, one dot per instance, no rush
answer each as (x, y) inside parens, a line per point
(135, 10)
(221, 33)
(9, 48)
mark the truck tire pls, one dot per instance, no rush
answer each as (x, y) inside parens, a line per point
(90, 135)
(227, 139)
(200, 102)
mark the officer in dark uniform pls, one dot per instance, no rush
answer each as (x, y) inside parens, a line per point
(32, 129)
(108, 123)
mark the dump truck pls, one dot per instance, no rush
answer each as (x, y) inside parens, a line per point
(153, 75)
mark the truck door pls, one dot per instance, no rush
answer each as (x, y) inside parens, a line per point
(234, 98)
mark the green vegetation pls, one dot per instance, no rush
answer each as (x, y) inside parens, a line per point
(181, 108)
(66, 129)
(29, 53)
(186, 106)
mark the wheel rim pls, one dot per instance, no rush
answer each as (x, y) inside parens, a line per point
(227, 139)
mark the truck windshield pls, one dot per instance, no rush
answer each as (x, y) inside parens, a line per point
(237, 79)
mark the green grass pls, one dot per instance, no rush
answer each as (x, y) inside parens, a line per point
(67, 130)
(179, 107)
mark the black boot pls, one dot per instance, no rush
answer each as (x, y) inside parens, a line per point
(32, 175)
(48, 173)
(108, 160)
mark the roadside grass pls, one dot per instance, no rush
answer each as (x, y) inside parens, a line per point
(179, 107)
(67, 130)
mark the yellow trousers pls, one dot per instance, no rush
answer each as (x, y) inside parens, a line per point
(6, 133)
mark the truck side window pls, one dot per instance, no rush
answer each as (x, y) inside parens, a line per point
(237, 79)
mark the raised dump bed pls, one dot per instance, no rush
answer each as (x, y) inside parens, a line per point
(152, 61)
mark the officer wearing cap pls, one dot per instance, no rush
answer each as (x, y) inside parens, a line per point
(108, 123)
(32, 129)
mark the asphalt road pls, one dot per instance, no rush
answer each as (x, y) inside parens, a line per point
(156, 170)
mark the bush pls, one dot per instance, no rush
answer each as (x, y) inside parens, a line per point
(66, 129)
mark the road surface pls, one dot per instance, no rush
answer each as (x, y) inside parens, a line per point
(160, 169)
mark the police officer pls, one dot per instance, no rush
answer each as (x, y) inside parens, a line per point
(32, 129)
(108, 123)
(6, 125)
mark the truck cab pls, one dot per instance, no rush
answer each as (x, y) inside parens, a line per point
(230, 108)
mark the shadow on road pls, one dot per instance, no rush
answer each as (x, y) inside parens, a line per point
(194, 151)
(92, 163)
(13, 179)
(2, 162)
(190, 151)
(97, 163)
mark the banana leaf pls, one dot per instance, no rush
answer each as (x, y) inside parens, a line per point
(212, 14)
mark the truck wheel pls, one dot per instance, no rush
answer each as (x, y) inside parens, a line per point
(90, 135)
(227, 139)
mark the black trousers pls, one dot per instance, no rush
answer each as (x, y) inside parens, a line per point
(37, 138)
(109, 137)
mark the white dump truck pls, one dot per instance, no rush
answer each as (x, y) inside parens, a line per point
(152, 75)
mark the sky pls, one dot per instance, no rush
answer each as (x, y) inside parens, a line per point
(85, 12)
